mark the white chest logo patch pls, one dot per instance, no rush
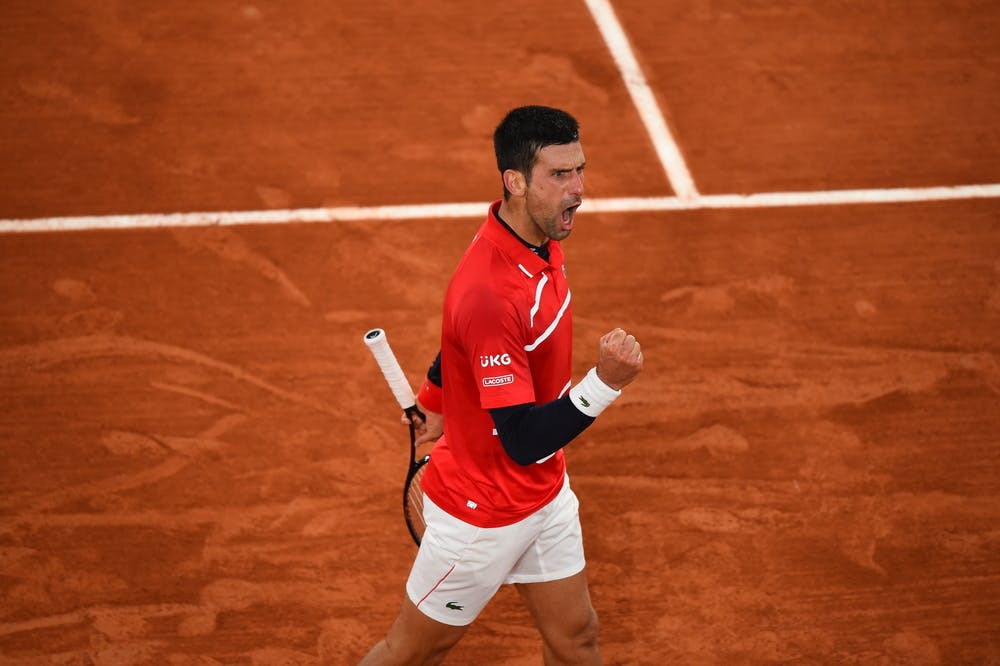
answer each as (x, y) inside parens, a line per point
(494, 360)
(499, 380)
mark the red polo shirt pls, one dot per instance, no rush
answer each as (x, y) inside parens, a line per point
(506, 339)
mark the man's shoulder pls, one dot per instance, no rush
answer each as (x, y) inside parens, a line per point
(485, 284)
(484, 262)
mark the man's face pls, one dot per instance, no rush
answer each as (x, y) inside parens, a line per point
(555, 190)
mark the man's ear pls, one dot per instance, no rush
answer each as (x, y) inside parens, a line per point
(515, 182)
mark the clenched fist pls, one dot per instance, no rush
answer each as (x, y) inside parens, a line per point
(619, 358)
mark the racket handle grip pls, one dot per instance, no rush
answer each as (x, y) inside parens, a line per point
(414, 411)
(378, 345)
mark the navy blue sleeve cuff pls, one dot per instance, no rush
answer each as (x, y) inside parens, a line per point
(531, 432)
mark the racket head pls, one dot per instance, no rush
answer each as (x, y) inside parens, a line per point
(413, 499)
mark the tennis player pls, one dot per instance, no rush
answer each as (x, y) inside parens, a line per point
(498, 504)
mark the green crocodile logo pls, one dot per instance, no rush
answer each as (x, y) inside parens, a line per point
(583, 401)
(452, 605)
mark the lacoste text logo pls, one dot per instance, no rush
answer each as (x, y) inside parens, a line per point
(499, 380)
(494, 360)
(583, 401)
(452, 605)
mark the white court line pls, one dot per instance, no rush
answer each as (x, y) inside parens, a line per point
(786, 199)
(478, 210)
(687, 196)
(644, 99)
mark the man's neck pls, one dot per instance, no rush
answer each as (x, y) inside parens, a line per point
(518, 222)
(542, 249)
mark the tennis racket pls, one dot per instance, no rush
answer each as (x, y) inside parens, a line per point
(413, 494)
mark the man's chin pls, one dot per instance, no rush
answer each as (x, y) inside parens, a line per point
(559, 232)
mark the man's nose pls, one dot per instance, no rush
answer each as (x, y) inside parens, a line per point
(576, 184)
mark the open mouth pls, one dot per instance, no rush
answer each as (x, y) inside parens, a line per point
(567, 216)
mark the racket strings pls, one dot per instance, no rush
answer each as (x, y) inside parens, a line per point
(414, 508)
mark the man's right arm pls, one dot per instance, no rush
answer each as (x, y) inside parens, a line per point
(429, 401)
(430, 391)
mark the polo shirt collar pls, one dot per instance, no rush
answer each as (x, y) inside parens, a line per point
(511, 245)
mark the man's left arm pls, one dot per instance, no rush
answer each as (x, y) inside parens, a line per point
(531, 432)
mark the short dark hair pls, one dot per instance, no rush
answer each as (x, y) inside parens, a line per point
(526, 130)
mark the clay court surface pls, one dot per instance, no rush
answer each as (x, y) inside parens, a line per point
(201, 463)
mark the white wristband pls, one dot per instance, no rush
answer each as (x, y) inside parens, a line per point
(592, 396)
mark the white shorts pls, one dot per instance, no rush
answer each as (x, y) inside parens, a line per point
(459, 566)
